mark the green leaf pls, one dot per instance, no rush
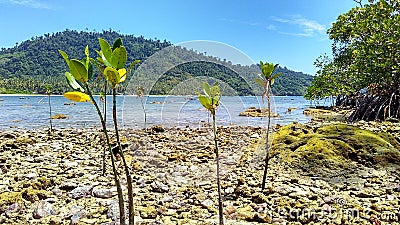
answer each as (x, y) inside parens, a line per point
(64, 55)
(205, 102)
(214, 91)
(260, 81)
(48, 89)
(112, 75)
(276, 76)
(105, 49)
(207, 89)
(267, 70)
(215, 101)
(132, 65)
(271, 82)
(103, 60)
(78, 70)
(87, 51)
(72, 82)
(86, 60)
(119, 57)
(90, 71)
(117, 44)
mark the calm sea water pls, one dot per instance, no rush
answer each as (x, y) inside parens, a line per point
(30, 112)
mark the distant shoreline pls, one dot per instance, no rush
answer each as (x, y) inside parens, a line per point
(44, 95)
(25, 95)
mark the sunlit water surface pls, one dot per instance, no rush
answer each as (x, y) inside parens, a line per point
(30, 112)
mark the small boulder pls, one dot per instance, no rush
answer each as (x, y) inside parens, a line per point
(155, 129)
(80, 192)
(59, 116)
(43, 209)
(258, 112)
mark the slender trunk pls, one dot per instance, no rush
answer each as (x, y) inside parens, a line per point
(51, 123)
(267, 144)
(144, 111)
(105, 121)
(220, 206)
(116, 180)
(127, 173)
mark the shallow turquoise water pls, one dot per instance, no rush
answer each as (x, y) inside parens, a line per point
(33, 111)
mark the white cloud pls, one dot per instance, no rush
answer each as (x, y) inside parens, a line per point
(308, 28)
(252, 24)
(270, 27)
(28, 3)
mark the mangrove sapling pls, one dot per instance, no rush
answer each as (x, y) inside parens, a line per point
(113, 60)
(81, 71)
(210, 101)
(103, 98)
(266, 79)
(140, 94)
(48, 93)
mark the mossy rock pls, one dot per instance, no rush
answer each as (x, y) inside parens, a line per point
(333, 146)
(41, 183)
(34, 195)
(8, 198)
(149, 212)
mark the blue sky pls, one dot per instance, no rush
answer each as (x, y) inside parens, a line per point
(289, 32)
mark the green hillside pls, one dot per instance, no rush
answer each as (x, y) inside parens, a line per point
(31, 65)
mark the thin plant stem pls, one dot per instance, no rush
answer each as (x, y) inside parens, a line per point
(220, 206)
(144, 111)
(267, 141)
(51, 123)
(116, 180)
(105, 121)
(131, 214)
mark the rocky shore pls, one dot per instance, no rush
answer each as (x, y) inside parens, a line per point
(57, 179)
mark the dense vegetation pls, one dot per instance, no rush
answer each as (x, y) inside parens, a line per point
(364, 72)
(31, 65)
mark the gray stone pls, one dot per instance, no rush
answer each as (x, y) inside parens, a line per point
(103, 193)
(167, 199)
(76, 213)
(68, 186)
(80, 192)
(31, 176)
(43, 209)
(159, 187)
(113, 211)
(207, 203)
(13, 210)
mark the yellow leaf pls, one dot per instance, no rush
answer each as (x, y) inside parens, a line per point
(77, 96)
(122, 75)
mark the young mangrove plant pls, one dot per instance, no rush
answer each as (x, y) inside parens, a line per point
(48, 93)
(103, 99)
(113, 60)
(266, 80)
(210, 101)
(81, 71)
(140, 94)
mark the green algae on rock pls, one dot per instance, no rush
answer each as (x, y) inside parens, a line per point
(8, 198)
(333, 146)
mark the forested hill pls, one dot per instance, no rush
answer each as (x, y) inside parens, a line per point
(31, 65)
